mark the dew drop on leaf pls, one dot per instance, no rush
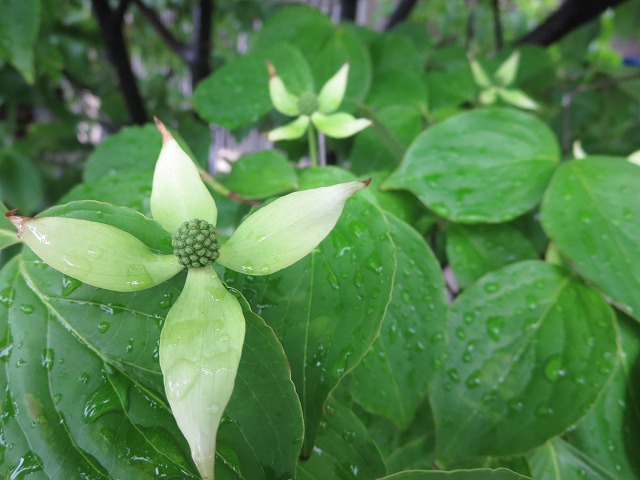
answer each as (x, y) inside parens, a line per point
(474, 380)
(494, 327)
(26, 308)
(553, 369)
(103, 327)
(166, 300)
(69, 285)
(47, 358)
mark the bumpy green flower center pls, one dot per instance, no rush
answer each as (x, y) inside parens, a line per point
(196, 244)
(307, 103)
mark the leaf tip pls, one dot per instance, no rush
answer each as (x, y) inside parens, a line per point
(17, 220)
(166, 134)
(366, 182)
(271, 69)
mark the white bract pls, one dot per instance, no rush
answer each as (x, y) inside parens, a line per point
(201, 341)
(314, 109)
(499, 85)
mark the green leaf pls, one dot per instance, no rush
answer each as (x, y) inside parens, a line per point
(387, 381)
(475, 474)
(609, 432)
(558, 460)
(483, 166)
(592, 212)
(327, 308)
(450, 89)
(526, 345)
(382, 145)
(391, 51)
(19, 26)
(261, 175)
(343, 448)
(133, 150)
(473, 250)
(398, 87)
(20, 181)
(8, 235)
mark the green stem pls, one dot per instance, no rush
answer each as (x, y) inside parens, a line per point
(313, 146)
(217, 187)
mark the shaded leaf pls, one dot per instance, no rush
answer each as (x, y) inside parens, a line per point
(483, 166)
(261, 175)
(19, 26)
(8, 235)
(527, 346)
(476, 474)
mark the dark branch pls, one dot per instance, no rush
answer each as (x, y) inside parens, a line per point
(154, 20)
(199, 56)
(570, 15)
(400, 13)
(110, 22)
(348, 10)
(497, 25)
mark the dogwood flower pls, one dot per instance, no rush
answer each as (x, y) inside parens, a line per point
(313, 109)
(202, 337)
(498, 86)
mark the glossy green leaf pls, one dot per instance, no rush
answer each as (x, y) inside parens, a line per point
(393, 51)
(473, 250)
(609, 433)
(558, 460)
(526, 345)
(131, 150)
(393, 376)
(476, 474)
(398, 87)
(327, 308)
(21, 183)
(343, 449)
(450, 89)
(261, 175)
(19, 26)
(483, 166)
(592, 212)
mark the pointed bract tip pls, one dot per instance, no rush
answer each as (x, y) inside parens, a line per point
(11, 213)
(166, 134)
(366, 182)
(17, 220)
(272, 69)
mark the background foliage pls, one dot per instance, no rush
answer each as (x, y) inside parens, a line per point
(473, 315)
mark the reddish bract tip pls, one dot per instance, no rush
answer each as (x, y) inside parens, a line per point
(11, 213)
(272, 69)
(17, 221)
(366, 182)
(166, 134)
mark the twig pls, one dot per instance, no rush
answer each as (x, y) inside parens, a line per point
(497, 25)
(217, 187)
(400, 13)
(154, 20)
(200, 51)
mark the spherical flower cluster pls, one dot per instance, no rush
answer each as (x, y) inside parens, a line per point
(196, 244)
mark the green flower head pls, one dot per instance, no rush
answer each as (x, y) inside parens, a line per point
(313, 109)
(201, 340)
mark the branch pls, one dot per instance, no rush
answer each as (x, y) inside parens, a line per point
(401, 12)
(348, 10)
(199, 54)
(570, 15)
(497, 25)
(110, 22)
(152, 17)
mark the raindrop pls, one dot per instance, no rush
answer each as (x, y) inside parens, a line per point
(454, 375)
(357, 228)
(468, 317)
(474, 380)
(491, 287)
(103, 327)
(166, 300)
(544, 409)
(47, 358)
(137, 277)
(553, 369)
(69, 285)
(515, 405)
(6, 297)
(437, 337)
(494, 327)
(26, 308)
(460, 333)
(84, 378)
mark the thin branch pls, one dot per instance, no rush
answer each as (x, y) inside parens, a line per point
(154, 20)
(497, 25)
(200, 51)
(400, 13)
(570, 15)
(217, 187)
(348, 10)
(110, 22)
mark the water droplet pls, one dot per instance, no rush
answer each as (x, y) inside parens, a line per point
(495, 326)
(181, 378)
(585, 217)
(47, 358)
(468, 317)
(544, 409)
(453, 375)
(69, 285)
(491, 287)
(29, 463)
(103, 327)
(165, 302)
(474, 380)
(437, 337)
(6, 297)
(103, 400)
(515, 405)
(460, 333)
(137, 277)
(553, 369)
(26, 308)
(84, 377)
(129, 347)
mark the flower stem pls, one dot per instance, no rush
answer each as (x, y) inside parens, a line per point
(217, 187)
(313, 147)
